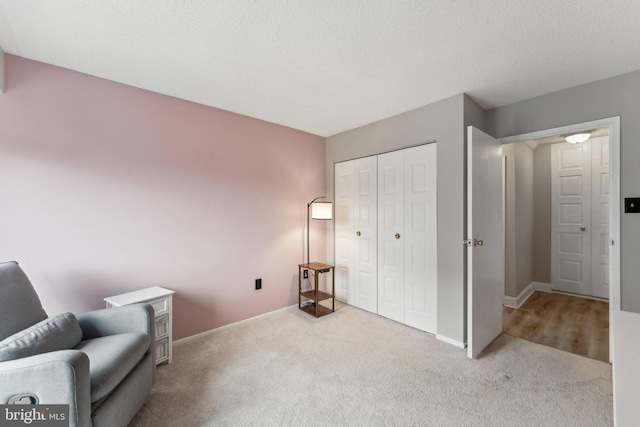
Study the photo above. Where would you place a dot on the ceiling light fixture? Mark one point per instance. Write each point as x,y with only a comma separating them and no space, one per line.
577,138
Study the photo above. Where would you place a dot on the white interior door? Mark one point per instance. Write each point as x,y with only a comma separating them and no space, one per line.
600,242
571,217
344,231
420,237
391,300
366,226
485,264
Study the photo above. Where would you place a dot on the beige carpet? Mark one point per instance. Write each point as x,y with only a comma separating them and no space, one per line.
356,368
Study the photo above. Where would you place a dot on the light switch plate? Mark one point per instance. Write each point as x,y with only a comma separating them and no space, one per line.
632,205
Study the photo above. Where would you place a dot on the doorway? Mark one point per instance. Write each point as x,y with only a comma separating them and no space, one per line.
580,216
609,246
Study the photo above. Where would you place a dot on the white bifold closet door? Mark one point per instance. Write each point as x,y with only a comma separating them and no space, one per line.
385,235
356,233
407,236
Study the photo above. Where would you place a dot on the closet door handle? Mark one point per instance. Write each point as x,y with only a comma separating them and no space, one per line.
397,236
583,228
358,233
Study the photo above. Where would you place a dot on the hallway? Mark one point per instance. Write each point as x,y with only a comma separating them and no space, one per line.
570,323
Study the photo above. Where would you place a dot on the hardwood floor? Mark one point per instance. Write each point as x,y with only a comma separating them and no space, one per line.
569,323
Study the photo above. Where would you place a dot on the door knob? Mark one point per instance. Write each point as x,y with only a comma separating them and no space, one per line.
397,236
358,233
583,228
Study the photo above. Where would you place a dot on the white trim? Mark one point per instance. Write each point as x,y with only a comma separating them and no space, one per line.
613,123
532,143
544,287
523,296
450,341
562,130
580,296
233,325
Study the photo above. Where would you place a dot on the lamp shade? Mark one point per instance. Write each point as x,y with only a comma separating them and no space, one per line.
321,210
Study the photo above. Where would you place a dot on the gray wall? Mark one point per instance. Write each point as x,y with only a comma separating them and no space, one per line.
524,215
617,96
441,122
542,214
519,218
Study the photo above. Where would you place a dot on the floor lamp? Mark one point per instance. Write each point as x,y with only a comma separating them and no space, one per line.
319,210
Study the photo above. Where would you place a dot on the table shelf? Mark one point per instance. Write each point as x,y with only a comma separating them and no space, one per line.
316,295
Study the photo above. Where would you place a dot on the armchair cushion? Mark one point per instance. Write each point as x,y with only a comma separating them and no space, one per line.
61,332
111,358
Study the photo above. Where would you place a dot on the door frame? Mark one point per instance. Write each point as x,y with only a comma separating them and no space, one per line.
613,123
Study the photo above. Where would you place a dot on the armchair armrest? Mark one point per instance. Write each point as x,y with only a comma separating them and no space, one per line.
58,377
118,320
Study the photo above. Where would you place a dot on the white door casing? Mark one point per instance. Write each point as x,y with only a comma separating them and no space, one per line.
391,300
600,222
366,226
571,217
613,125
420,237
485,264
344,231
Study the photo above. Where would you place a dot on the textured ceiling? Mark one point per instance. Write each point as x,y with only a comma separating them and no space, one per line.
328,66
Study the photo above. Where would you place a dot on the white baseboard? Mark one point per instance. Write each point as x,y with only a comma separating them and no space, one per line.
233,325
516,302
523,296
544,287
451,341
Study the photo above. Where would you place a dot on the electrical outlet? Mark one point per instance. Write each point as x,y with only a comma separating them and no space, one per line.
258,284
305,274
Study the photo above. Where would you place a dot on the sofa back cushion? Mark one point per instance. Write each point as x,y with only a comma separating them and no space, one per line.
20,306
61,332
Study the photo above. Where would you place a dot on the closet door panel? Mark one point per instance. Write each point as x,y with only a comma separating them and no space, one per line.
420,237
365,224
344,232
391,299
571,217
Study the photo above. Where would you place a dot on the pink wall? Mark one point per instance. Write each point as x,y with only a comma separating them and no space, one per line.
107,189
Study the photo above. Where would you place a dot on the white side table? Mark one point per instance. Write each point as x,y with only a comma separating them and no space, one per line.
161,300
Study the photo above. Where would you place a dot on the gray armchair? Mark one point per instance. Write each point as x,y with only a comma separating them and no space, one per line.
100,363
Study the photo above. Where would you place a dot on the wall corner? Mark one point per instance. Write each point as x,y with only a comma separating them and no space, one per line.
474,114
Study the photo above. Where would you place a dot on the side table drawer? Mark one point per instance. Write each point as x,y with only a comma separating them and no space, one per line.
160,306
162,326
162,349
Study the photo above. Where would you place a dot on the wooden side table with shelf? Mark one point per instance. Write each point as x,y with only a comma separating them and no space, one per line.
315,295
161,300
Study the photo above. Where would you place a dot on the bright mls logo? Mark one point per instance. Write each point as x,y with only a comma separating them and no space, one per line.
34,415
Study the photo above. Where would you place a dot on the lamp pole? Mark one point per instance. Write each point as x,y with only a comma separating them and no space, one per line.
309,207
